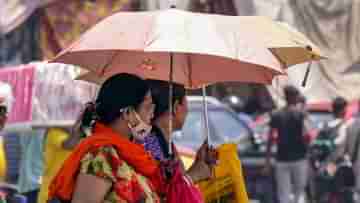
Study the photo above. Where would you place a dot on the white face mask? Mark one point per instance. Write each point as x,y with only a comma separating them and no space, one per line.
141,130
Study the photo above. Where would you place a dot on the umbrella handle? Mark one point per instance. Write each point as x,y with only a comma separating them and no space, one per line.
171,79
206,115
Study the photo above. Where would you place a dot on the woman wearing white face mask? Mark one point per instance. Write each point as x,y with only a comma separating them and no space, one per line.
107,166
140,128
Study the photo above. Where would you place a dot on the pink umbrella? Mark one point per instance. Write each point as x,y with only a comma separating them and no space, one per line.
188,48
204,48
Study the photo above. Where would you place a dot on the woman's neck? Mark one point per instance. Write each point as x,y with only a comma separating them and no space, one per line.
121,130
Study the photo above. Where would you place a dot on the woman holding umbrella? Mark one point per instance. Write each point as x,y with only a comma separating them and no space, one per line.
157,143
167,45
200,170
107,166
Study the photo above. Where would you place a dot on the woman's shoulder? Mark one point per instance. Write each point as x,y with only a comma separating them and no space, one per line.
102,162
106,150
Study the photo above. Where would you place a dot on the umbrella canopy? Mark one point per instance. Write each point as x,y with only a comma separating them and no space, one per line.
205,48
246,49
192,49
289,45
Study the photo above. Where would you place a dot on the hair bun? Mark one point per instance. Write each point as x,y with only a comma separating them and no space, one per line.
89,115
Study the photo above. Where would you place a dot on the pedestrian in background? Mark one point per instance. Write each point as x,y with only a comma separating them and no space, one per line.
291,169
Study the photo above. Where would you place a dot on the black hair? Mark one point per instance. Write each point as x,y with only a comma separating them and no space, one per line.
160,94
119,92
291,94
338,105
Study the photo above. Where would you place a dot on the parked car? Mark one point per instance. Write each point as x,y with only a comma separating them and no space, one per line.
225,126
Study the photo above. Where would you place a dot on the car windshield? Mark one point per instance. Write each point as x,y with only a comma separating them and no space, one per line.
192,135
227,128
224,128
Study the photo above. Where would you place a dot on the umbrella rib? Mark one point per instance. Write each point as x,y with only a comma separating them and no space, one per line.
282,62
107,64
189,65
148,42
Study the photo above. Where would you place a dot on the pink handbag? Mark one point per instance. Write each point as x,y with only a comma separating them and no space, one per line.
181,189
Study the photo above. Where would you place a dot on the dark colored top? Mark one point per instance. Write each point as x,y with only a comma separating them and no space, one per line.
290,126
156,144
